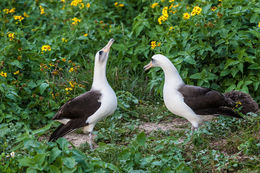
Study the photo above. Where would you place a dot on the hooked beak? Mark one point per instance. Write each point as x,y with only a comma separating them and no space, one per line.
148,66
109,44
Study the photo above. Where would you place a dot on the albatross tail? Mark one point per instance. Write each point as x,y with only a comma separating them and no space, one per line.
64,129
244,100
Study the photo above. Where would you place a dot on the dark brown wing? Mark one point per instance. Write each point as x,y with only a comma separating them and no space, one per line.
200,98
64,129
80,107
204,101
77,110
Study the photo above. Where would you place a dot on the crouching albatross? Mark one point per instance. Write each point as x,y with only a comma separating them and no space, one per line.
87,109
190,101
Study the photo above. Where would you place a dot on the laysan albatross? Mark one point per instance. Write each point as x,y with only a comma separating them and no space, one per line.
87,109
190,102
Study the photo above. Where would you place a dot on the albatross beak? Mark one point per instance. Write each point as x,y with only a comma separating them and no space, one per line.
148,66
109,44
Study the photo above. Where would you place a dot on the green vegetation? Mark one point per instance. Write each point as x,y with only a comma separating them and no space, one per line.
47,55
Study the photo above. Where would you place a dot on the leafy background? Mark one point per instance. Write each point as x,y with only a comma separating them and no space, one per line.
217,48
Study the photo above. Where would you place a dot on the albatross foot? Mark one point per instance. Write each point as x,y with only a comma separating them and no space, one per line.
91,142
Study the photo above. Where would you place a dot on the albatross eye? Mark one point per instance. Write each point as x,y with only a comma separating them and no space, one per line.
100,52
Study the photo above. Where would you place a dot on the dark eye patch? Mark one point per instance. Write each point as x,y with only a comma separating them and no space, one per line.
100,52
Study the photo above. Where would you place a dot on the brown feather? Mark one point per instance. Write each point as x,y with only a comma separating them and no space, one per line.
205,101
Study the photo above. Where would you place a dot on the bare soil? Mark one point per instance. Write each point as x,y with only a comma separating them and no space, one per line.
177,124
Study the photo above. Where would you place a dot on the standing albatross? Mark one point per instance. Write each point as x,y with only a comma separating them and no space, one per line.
87,109
192,101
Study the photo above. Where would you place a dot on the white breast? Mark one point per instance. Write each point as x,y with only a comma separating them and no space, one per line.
108,106
174,101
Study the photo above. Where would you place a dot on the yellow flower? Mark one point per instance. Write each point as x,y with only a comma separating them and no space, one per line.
75,2
76,21
42,9
165,11
86,35
51,65
259,25
46,48
154,5
12,10
116,4
171,28
71,69
193,13
186,16
153,44
197,9
25,14
3,74
63,1
72,84
20,18
6,10
68,89
11,36
17,72
175,6
173,12
121,5
158,44
164,15
213,8
88,5
63,59
171,0
81,5
64,40
219,0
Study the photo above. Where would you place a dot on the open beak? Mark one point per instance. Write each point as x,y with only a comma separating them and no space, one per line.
148,66
109,44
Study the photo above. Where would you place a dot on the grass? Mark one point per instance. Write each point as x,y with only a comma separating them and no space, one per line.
223,144
207,50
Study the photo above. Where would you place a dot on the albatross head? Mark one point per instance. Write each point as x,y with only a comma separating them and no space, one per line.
102,55
171,73
158,60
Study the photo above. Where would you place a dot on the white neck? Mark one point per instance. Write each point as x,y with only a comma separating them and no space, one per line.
172,76
100,79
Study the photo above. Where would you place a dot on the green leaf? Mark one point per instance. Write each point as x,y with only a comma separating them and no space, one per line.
196,76
141,138
31,170
54,153
254,66
42,130
241,67
54,169
69,162
230,62
26,161
43,87
62,143
31,84
39,159
189,60
17,64
183,168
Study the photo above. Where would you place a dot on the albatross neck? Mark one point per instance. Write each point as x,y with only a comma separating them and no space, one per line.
172,76
100,79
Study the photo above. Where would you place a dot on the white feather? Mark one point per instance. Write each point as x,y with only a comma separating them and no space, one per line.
173,99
